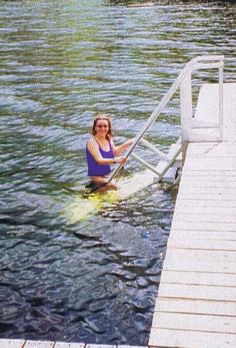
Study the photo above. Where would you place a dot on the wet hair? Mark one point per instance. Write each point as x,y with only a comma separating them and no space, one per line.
102,117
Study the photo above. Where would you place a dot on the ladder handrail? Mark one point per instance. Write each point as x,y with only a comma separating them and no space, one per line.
194,64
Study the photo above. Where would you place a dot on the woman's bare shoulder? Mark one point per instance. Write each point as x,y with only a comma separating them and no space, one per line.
92,143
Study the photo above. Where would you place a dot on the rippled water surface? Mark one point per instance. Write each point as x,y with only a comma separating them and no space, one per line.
93,280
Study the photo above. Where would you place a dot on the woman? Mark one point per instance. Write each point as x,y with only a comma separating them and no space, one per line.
101,153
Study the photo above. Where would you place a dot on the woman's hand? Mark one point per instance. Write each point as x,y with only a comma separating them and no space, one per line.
120,159
129,142
123,147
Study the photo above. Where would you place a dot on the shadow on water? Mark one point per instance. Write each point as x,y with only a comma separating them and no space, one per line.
96,279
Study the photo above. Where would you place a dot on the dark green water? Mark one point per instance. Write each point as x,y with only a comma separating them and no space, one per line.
61,62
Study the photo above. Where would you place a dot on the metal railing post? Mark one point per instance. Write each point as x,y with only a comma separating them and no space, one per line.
186,107
221,105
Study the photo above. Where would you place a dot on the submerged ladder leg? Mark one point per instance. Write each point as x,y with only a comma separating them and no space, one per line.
163,168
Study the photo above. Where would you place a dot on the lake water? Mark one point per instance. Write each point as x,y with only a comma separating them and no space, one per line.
93,280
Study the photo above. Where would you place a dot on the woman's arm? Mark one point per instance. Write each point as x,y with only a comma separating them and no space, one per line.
94,150
121,148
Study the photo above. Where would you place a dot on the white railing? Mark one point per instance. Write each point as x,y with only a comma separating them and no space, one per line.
184,82
207,62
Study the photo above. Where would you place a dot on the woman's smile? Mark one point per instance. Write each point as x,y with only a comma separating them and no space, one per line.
102,128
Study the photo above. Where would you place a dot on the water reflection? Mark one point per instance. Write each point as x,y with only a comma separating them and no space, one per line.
96,280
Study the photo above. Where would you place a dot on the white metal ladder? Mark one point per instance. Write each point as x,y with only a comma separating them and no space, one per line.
165,161
183,81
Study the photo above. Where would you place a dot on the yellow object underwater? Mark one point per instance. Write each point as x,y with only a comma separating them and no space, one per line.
81,208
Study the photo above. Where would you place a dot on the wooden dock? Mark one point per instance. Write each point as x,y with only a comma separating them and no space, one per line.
196,304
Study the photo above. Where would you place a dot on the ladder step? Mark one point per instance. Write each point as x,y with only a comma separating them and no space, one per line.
139,159
150,146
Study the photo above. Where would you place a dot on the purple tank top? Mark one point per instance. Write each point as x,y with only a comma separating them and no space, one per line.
95,169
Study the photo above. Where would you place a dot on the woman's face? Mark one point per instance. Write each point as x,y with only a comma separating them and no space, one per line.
102,127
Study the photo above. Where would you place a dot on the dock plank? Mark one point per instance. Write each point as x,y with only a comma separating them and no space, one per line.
195,322
202,255
39,344
69,345
200,292
211,164
126,346
213,150
206,217
199,278
204,226
193,306
172,264
219,210
9,343
185,243
214,174
214,196
187,202
183,338
100,346
208,190
204,235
